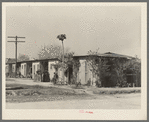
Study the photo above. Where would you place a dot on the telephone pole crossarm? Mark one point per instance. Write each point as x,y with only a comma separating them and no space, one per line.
15,37
15,41
11,41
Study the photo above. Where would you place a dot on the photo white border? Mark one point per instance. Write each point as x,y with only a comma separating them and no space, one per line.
73,114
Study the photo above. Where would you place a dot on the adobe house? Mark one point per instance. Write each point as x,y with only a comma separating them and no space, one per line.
82,73
30,67
35,67
51,68
25,68
44,64
85,72
10,63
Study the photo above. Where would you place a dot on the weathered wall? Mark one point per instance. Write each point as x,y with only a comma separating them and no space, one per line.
35,67
60,74
23,69
81,74
51,68
90,75
84,73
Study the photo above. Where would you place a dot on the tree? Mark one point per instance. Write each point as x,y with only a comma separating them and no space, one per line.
51,51
112,71
98,66
62,37
116,72
22,57
135,66
76,65
125,68
69,62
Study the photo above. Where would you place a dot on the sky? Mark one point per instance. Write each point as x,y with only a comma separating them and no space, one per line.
114,29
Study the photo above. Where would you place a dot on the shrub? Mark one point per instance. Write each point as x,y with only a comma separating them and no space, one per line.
38,72
112,70
89,82
7,74
78,83
98,83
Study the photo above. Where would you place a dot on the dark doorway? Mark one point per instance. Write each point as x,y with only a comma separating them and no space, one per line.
69,74
44,66
31,70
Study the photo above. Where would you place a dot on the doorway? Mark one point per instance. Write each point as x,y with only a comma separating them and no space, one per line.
69,74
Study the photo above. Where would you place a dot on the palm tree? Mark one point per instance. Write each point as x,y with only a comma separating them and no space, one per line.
61,37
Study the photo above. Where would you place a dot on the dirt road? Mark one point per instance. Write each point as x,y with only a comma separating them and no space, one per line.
122,101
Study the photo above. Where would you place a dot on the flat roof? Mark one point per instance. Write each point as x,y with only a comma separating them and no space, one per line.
36,60
106,55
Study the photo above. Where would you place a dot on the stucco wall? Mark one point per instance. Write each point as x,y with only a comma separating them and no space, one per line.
35,68
81,74
84,72
60,74
23,69
51,68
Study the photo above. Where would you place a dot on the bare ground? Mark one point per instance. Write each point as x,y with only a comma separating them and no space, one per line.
131,101
26,94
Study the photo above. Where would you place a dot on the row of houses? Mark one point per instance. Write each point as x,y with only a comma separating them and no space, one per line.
30,67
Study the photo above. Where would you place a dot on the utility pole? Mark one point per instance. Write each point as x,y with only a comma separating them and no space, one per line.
16,50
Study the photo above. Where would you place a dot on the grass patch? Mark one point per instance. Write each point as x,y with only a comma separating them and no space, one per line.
9,79
25,86
38,93
39,98
116,91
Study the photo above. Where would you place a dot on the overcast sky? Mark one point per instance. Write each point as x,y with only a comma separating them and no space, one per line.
111,29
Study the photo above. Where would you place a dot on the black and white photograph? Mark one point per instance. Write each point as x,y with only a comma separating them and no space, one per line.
74,61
